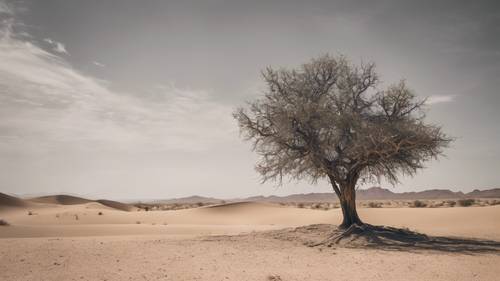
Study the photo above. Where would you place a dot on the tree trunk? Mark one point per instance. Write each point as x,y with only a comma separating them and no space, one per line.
348,204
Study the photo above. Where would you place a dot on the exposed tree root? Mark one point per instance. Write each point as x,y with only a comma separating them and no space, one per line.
370,235
380,237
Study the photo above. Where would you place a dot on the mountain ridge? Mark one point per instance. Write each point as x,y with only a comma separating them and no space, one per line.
373,193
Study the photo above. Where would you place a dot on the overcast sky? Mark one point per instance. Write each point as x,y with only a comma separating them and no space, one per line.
133,99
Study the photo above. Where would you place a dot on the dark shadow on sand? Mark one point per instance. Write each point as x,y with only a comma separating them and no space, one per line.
384,238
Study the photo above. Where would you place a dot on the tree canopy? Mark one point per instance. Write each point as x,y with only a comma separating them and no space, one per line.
329,119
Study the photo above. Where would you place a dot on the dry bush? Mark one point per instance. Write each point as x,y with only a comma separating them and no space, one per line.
466,202
436,204
419,204
372,204
100,213
30,213
451,203
4,223
300,205
138,222
494,202
316,206
274,278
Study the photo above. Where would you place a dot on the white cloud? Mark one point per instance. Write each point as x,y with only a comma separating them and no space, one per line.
440,99
98,64
45,104
56,46
5,8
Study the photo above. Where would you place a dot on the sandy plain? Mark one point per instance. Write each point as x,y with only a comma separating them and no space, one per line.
82,240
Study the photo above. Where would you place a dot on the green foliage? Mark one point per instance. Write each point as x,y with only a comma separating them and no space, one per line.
466,202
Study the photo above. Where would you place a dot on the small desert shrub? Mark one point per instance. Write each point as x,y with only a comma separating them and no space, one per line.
274,278
30,213
374,204
4,223
100,213
300,205
316,206
436,204
494,202
138,222
76,217
199,204
419,204
466,202
451,203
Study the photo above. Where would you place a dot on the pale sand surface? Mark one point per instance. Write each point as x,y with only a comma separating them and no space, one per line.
177,245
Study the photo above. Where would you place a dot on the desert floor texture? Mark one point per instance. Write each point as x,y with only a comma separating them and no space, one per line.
238,241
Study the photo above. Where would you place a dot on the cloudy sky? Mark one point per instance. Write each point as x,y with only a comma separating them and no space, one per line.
133,99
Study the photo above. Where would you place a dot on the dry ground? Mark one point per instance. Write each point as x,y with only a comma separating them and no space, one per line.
75,242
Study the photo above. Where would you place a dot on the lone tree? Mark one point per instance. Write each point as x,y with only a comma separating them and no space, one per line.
328,119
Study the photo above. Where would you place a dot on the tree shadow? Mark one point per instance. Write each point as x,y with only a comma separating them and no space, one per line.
385,238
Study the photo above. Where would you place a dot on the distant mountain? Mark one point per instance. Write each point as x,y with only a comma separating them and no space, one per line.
489,193
378,193
373,193
189,200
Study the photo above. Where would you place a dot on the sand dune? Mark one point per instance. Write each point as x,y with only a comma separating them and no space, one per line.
96,241
482,222
48,202
60,199
7,201
116,205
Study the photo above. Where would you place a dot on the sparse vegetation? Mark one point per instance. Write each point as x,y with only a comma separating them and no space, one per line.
466,202
30,213
494,202
419,204
436,204
429,203
138,222
375,204
274,278
170,206
100,213
4,223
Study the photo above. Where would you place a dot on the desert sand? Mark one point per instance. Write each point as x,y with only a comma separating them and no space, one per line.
66,238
